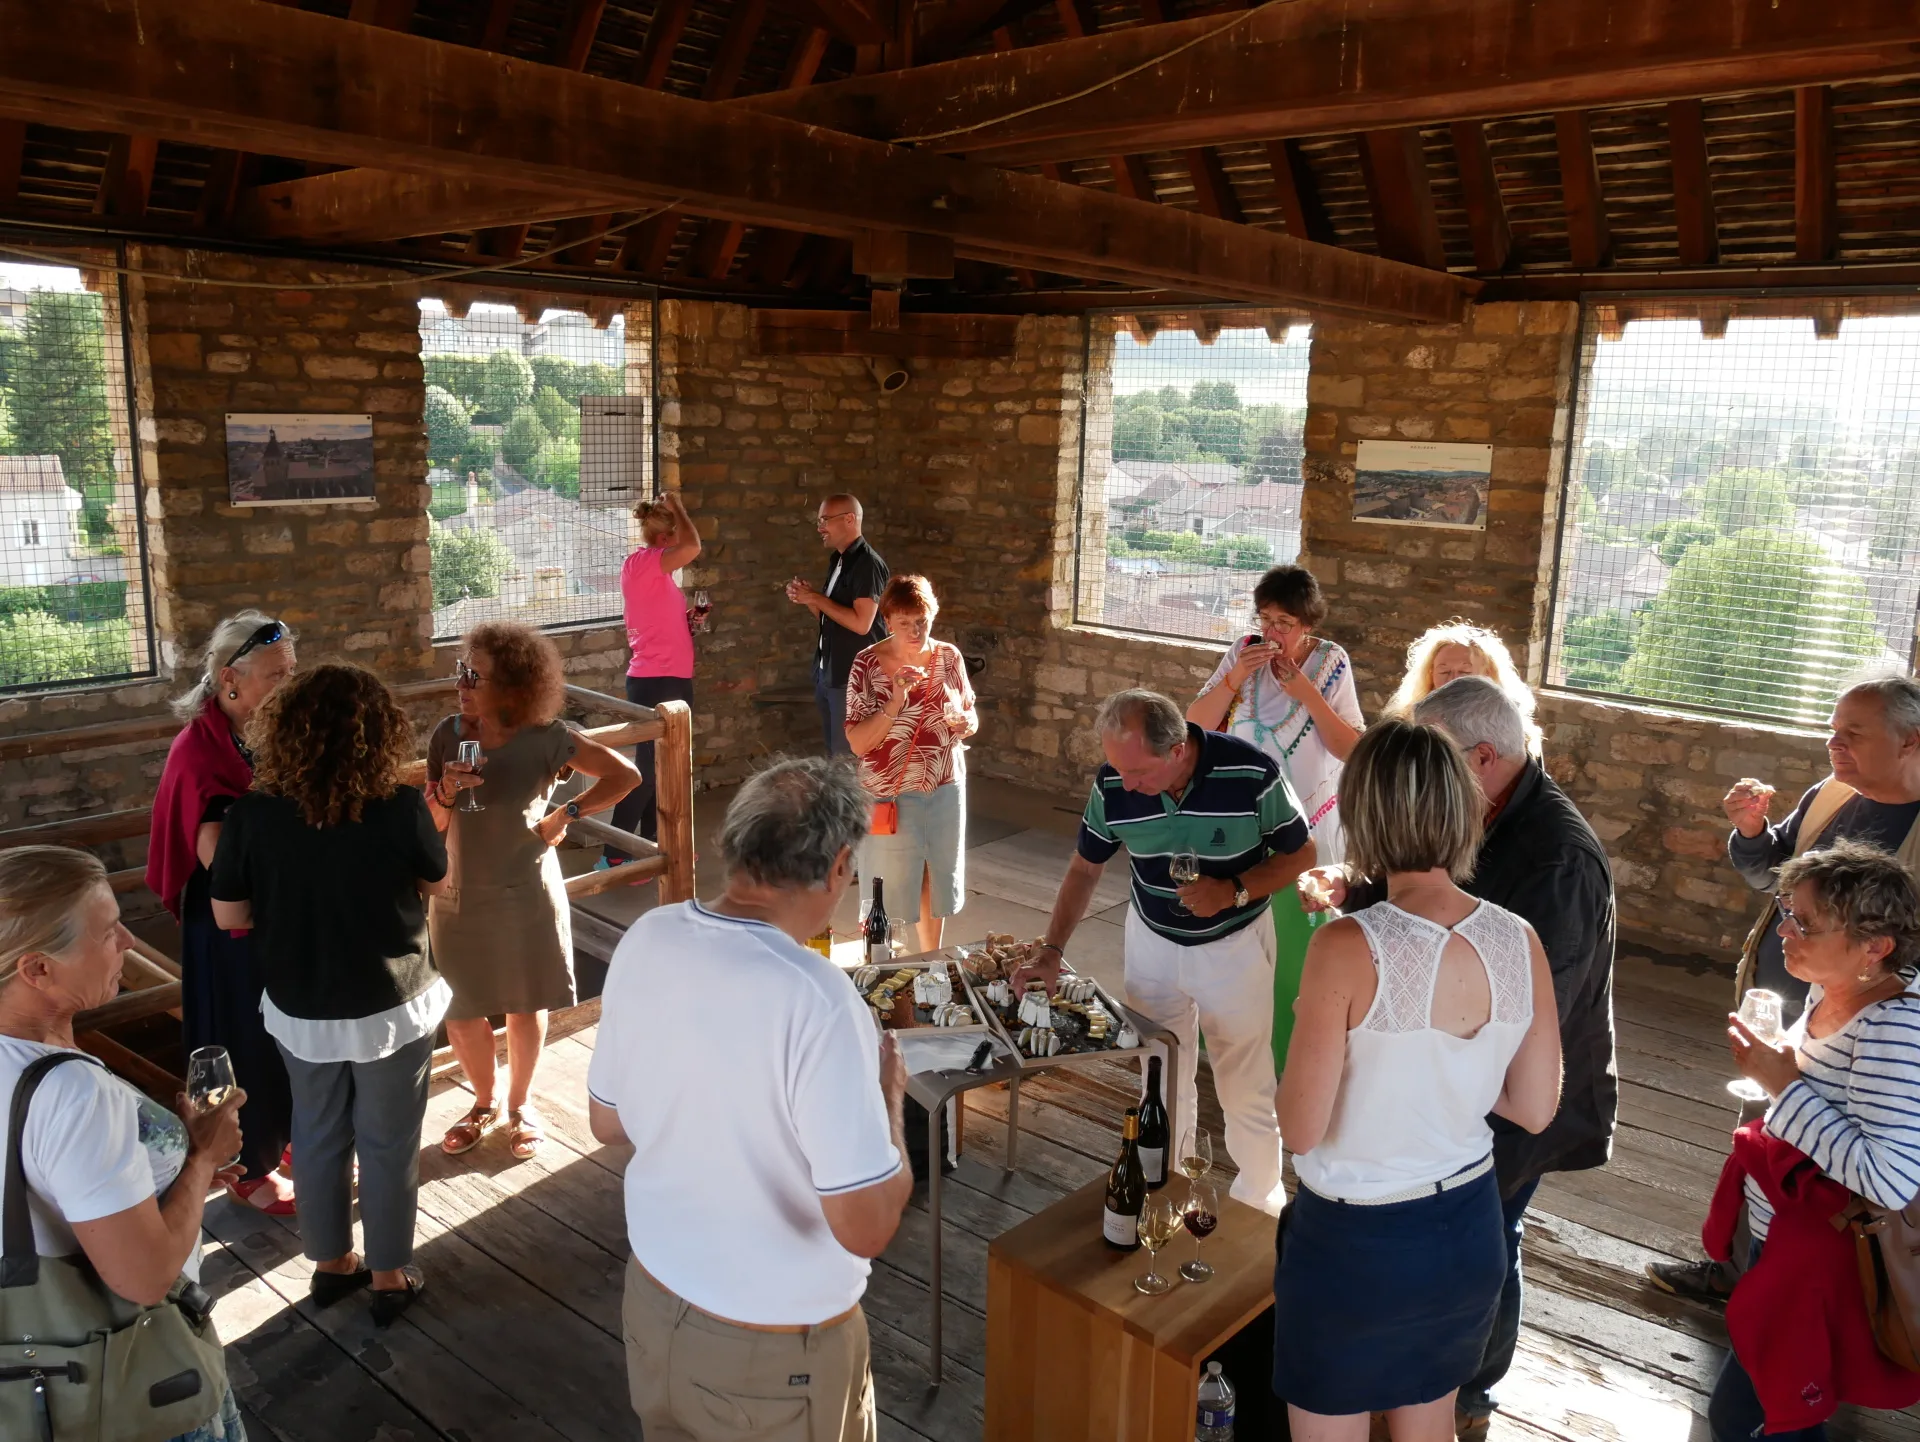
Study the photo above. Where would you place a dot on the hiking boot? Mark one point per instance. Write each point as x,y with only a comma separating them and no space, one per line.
1470,1428
1708,1282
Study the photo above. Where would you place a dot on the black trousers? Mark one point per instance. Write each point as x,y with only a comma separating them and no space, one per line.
637,811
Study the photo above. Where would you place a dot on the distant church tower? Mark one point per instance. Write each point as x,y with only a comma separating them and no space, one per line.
273,464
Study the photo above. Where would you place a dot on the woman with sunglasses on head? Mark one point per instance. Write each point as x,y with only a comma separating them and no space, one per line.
1290,693
502,932
247,657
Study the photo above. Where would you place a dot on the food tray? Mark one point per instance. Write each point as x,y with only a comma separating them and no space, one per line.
899,1011
1069,1018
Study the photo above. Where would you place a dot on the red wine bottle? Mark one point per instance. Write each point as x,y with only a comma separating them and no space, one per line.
879,936
1126,1190
1153,1130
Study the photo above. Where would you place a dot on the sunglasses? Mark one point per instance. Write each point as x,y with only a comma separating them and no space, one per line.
270,634
465,677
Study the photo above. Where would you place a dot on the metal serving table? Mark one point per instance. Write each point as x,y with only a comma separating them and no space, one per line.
934,1089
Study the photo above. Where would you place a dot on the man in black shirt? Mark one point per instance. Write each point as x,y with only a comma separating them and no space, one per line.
1541,861
849,611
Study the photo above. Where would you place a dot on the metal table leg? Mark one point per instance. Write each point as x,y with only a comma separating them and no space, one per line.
934,1159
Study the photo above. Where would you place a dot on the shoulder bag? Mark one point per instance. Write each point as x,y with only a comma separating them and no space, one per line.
77,1363
1886,1245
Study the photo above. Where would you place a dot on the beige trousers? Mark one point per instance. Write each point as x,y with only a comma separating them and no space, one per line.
695,1378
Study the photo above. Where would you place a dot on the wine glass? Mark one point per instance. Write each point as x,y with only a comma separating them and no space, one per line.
470,756
899,935
1196,1153
210,1080
1201,1217
702,608
1184,867
1159,1220
1760,1013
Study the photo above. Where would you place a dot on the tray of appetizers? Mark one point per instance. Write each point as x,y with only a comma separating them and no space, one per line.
928,993
1079,1019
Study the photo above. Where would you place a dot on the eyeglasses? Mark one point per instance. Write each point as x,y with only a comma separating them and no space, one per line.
270,634
1268,623
821,524
464,676
1794,925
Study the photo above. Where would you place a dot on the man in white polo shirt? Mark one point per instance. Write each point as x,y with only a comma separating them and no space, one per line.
765,1117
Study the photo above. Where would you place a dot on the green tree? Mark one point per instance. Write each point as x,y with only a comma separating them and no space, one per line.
449,428
1596,649
1739,500
556,412
1215,396
523,439
1676,538
58,385
37,647
557,467
1758,622
466,564
506,385
1139,432
460,375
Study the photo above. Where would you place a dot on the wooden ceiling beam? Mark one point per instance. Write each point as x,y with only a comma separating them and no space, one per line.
1298,193
387,14
1815,211
803,64
1480,191
711,255
858,22
1130,177
669,23
1589,237
1329,67
577,32
1692,183
346,207
1212,191
279,80
13,157
1406,226
497,25
126,180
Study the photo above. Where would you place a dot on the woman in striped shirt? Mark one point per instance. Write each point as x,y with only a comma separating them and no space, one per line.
1845,1081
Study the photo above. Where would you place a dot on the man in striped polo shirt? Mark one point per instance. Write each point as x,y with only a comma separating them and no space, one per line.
1198,956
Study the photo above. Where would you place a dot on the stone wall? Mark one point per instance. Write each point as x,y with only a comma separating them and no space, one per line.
962,474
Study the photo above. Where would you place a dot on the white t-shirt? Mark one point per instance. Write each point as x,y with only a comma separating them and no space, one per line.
746,1072
94,1146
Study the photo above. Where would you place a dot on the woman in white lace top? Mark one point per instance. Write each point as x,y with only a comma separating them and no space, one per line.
1416,1019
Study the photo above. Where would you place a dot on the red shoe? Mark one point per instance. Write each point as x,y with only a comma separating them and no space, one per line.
281,1207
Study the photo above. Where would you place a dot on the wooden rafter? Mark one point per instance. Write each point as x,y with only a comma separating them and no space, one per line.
1298,193
803,64
669,23
1130,177
711,255
1480,191
344,207
1406,226
13,154
1212,191
126,181
1815,212
387,14
1589,237
1692,183
496,25
1318,67
273,79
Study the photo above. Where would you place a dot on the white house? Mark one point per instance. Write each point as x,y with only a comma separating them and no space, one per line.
39,522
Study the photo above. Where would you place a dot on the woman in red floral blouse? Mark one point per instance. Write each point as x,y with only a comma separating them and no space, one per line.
909,708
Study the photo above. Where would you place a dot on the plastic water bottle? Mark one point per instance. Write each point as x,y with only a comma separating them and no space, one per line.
1216,1407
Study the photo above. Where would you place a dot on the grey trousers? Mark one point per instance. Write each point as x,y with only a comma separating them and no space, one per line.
374,1109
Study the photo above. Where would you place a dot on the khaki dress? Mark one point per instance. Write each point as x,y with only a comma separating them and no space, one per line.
502,934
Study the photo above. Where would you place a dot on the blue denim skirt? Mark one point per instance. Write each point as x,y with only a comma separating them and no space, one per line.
1384,1307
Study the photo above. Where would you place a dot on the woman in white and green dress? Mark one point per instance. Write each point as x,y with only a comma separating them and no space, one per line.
1291,694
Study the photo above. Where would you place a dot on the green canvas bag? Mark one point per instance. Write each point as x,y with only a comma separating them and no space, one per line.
77,1363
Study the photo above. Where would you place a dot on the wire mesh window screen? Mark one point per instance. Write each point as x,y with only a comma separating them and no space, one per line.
1190,480
1743,504
73,565
539,443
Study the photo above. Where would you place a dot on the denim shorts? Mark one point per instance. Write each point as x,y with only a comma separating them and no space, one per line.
932,837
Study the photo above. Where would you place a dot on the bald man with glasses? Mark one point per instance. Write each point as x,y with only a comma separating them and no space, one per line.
848,608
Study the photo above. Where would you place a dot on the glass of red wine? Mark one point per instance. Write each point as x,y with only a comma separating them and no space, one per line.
1201,1217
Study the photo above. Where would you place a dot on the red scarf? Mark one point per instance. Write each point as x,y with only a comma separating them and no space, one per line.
202,763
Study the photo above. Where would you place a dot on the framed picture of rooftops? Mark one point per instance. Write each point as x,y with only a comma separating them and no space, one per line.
299,460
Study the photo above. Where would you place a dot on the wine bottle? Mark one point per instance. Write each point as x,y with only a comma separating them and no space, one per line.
1153,1130
879,934
1126,1190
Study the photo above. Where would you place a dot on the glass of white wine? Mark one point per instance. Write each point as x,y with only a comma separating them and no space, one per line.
1184,867
1761,1014
210,1080
1196,1154
1159,1220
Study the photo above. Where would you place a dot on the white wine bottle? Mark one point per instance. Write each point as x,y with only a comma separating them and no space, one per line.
1126,1190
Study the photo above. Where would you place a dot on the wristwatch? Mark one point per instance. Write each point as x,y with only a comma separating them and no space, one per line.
1241,896
573,811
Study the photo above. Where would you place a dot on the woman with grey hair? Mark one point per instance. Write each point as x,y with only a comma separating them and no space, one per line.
246,658
1845,1089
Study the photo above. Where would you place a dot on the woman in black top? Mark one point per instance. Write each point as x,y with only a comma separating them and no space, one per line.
330,860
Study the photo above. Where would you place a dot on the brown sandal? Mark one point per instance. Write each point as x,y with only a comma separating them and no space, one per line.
526,1132
464,1135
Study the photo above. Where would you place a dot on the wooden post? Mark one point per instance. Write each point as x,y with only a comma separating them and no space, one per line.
674,757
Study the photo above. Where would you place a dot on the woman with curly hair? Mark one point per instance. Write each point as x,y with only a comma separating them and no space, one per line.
503,932
329,860
1459,648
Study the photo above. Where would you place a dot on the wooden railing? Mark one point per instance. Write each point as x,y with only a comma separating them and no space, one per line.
150,980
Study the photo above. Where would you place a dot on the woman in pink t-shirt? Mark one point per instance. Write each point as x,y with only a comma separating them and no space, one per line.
661,638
